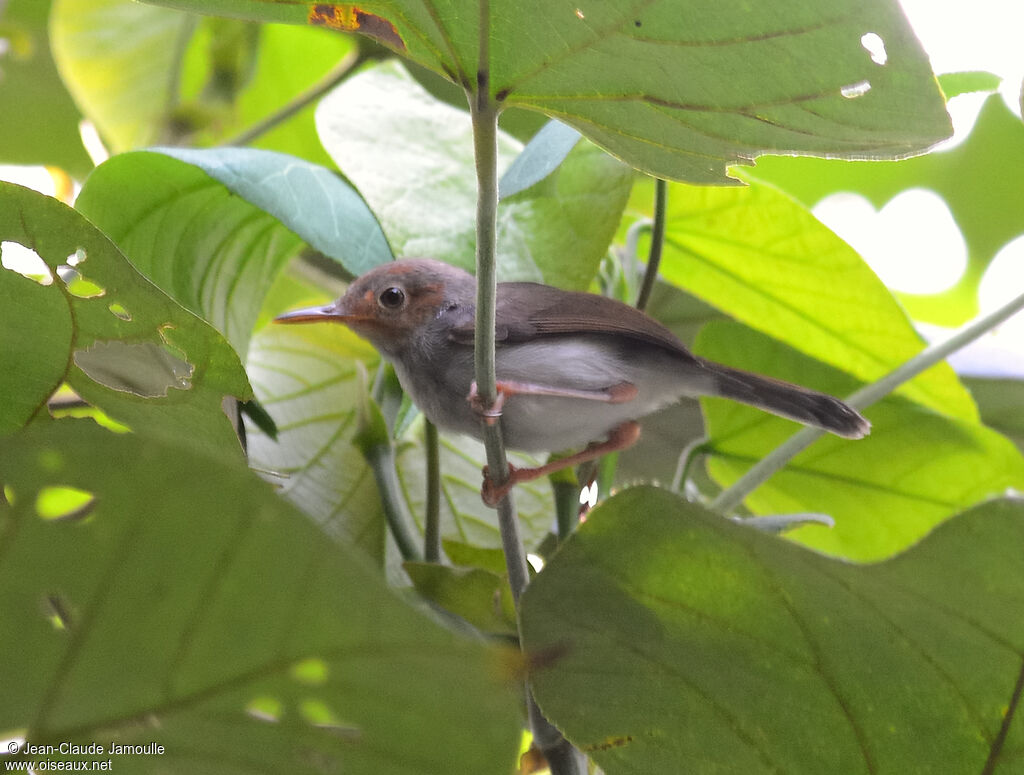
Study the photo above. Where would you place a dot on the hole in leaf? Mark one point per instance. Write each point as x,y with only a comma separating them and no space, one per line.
79,286
58,611
264,709
874,45
76,258
7,495
25,262
319,714
311,672
855,90
118,311
145,369
66,504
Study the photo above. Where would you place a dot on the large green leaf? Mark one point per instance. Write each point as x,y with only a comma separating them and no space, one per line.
916,469
677,641
192,607
147,75
99,325
678,91
45,129
118,59
766,261
981,180
411,157
215,227
307,378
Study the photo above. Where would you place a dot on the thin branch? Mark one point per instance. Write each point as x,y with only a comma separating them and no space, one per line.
657,242
299,102
865,397
432,515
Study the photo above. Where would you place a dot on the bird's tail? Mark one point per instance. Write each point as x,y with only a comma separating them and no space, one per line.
787,400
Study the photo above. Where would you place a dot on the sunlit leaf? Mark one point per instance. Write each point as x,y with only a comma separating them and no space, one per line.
916,469
46,129
760,257
981,180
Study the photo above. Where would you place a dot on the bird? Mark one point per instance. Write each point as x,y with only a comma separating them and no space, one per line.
573,368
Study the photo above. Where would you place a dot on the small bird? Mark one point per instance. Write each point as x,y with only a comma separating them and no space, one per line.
571,367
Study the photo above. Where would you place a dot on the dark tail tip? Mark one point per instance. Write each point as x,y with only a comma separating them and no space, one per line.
792,401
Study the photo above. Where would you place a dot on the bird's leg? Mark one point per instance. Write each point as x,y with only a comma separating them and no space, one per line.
621,437
615,394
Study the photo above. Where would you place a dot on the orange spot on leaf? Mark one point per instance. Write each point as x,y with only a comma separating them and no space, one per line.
350,18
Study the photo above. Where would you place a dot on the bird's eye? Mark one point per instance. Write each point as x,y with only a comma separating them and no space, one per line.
391,298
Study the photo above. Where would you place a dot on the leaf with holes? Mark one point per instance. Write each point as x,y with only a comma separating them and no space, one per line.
915,470
99,325
307,377
197,609
679,91
684,642
215,227
411,157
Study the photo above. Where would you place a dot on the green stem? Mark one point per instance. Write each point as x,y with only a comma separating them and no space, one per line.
562,757
863,398
381,458
484,114
432,516
300,101
657,242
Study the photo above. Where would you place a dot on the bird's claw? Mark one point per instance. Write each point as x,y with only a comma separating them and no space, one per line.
491,492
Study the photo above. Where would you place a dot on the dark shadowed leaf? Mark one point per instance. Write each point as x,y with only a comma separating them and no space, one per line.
689,643
680,91
198,609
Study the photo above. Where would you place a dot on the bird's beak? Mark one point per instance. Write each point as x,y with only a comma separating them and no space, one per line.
313,315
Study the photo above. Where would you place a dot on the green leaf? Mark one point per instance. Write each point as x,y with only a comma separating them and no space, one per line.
306,377
763,259
480,597
119,61
218,622
981,180
215,227
915,470
148,75
423,189
120,343
955,84
539,158
1000,401
679,92
46,128
679,641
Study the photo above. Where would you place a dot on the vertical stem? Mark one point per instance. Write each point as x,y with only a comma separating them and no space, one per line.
432,517
657,241
562,757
